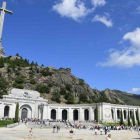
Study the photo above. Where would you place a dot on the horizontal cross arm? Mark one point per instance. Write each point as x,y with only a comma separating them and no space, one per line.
9,12
1,9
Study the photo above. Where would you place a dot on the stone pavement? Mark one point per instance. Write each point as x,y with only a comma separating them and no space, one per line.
21,132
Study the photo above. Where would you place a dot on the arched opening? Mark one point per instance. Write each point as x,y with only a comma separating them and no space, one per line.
95,114
124,114
64,115
86,114
6,111
53,114
41,113
136,114
131,115
24,113
118,114
75,115
112,113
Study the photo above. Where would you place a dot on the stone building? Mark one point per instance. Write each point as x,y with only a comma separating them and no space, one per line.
31,105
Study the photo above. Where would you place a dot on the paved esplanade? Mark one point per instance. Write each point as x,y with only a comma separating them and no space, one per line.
3,11
21,132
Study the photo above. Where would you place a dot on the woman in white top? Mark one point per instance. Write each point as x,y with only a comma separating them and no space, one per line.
109,137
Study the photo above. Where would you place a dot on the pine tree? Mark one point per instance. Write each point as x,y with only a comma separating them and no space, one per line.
137,115
17,112
121,121
129,119
96,113
134,119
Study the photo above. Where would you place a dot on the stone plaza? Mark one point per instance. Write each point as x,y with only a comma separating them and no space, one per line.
22,132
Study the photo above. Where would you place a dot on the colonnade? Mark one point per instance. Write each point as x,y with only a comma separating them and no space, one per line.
116,114
72,114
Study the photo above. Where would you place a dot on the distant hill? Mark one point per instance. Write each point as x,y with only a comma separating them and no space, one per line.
56,85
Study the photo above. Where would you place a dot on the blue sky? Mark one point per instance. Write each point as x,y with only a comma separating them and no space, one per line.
98,39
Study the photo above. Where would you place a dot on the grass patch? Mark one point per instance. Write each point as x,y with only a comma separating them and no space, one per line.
4,122
109,124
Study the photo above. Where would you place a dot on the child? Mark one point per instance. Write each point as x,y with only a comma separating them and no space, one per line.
31,132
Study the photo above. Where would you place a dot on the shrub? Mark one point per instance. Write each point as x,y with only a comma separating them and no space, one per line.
32,81
17,112
63,91
20,86
83,98
68,87
56,97
42,88
45,72
4,122
81,82
70,99
19,80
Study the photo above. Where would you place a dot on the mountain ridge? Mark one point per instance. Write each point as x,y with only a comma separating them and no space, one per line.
56,85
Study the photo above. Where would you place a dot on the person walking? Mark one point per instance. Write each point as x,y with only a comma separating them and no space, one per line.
105,130
31,132
139,133
108,137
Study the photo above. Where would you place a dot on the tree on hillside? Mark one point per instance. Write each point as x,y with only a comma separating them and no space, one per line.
96,113
17,112
129,118
134,119
137,116
121,120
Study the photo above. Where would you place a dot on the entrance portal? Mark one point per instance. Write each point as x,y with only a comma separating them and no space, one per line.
86,114
53,114
64,115
6,111
75,115
24,113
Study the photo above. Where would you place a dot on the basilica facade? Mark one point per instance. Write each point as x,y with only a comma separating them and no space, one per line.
31,105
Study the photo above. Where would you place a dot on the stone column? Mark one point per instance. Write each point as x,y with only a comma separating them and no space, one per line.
81,114
90,114
115,114
134,114
70,114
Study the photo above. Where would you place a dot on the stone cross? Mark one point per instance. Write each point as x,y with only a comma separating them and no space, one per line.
3,11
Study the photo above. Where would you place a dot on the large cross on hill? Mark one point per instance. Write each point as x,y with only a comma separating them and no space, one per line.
3,11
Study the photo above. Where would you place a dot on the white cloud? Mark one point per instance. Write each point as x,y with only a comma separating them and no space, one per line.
138,10
76,9
128,57
97,3
134,90
134,37
104,20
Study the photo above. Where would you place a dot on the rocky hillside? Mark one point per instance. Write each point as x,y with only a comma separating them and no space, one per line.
56,85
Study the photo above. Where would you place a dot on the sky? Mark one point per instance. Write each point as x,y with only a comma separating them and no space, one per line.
98,39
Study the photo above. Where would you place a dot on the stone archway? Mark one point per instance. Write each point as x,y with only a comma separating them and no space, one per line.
86,114
53,114
24,113
112,113
124,113
64,115
75,115
118,114
6,111
131,114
